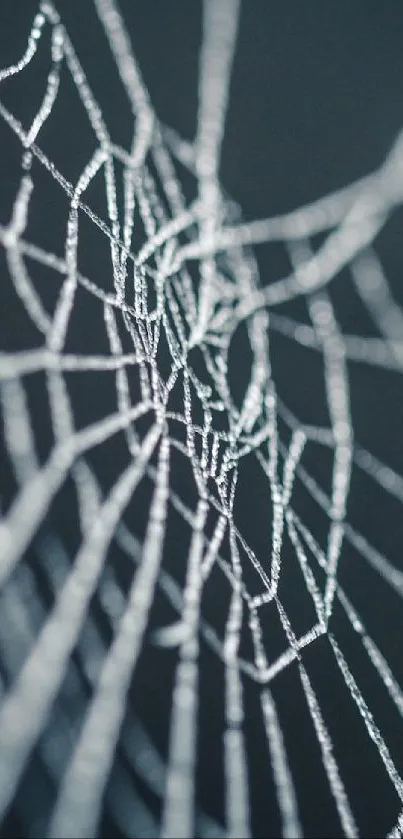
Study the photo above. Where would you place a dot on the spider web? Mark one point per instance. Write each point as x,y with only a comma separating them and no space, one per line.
128,574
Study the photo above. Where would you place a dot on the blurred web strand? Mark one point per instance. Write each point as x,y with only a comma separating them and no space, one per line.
219,39
37,663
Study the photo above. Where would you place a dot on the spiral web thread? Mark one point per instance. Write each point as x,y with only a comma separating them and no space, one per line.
153,298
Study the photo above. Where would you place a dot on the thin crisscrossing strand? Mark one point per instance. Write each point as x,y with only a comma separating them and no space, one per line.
154,304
